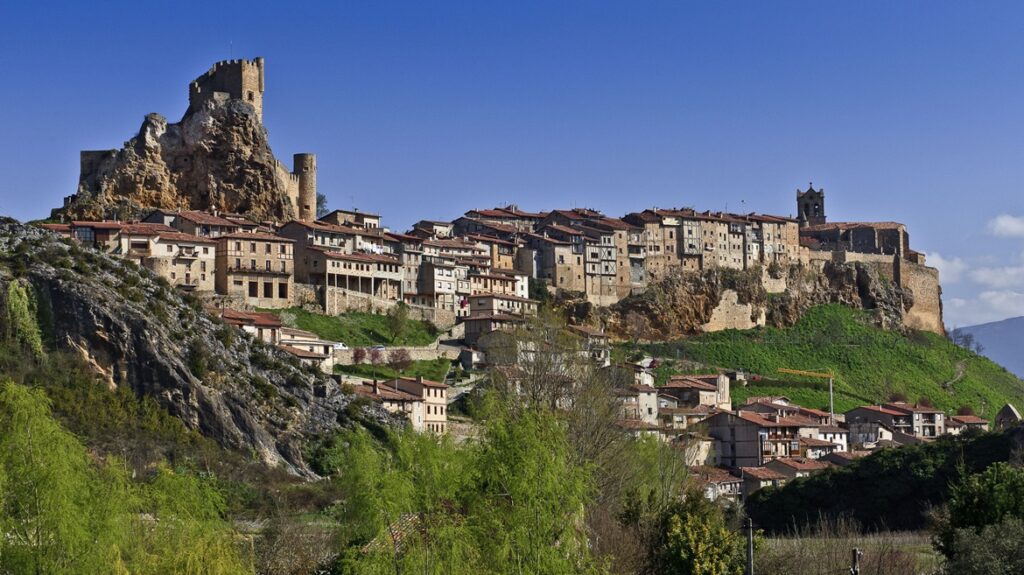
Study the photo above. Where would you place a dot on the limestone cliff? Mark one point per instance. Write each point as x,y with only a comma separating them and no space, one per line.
217,156
138,332
685,303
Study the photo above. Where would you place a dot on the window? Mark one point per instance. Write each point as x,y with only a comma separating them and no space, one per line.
254,289
202,266
268,289
282,249
238,246
267,246
282,290
170,248
252,264
252,247
284,267
206,251
238,283
238,263
268,265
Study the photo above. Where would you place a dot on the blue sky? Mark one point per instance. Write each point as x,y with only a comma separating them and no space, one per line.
908,111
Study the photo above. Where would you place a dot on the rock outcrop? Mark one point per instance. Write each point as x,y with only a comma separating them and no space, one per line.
685,303
136,331
216,157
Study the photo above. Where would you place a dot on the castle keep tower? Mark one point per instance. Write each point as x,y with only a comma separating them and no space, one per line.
810,206
305,168
230,79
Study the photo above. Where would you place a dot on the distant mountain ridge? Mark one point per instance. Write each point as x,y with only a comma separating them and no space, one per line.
1002,342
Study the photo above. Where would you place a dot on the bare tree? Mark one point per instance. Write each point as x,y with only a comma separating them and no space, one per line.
637,327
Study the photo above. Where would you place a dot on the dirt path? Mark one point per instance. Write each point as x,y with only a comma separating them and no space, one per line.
961,369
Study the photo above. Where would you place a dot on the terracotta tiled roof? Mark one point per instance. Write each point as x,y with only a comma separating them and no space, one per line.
563,229
384,391
880,409
761,473
56,227
256,319
801,463
689,382
705,474
502,296
636,424
183,237
814,442
588,331
204,218
969,419
302,353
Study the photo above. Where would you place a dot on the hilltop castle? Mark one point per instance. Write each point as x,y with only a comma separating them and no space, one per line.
216,158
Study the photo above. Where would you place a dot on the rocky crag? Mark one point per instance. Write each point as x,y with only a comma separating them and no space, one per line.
216,157
685,303
137,331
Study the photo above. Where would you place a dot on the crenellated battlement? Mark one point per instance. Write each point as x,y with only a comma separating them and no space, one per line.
238,79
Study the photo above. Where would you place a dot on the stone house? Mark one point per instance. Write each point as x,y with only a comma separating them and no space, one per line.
353,218
969,422
434,396
597,347
748,439
477,326
755,478
718,483
264,326
255,268
639,403
309,236
409,250
318,356
196,223
425,229
489,303
376,275
692,390
395,400
185,261
559,262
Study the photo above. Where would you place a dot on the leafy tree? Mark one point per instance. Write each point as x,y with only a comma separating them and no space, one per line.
321,206
397,321
64,511
978,501
996,549
694,539
57,515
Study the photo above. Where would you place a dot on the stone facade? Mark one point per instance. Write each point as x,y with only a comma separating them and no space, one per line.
257,268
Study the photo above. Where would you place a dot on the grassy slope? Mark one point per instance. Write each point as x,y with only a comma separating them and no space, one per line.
869,363
434,370
358,329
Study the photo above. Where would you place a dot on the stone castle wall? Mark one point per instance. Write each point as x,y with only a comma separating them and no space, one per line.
730,314
923,282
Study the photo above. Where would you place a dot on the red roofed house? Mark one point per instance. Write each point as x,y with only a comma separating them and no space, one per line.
395,400
184,260
434,396
255,268
755,478
693,390
794,467
264,325
968,422
747,439
639,403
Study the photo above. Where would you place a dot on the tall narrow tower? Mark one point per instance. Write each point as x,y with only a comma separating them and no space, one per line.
305,168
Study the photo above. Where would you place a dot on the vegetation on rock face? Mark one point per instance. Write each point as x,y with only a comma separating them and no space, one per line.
361,329
870,364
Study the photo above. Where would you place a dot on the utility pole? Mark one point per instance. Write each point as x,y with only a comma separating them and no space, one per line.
750,546
855,561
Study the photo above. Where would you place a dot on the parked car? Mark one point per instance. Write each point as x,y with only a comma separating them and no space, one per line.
340,346
377,347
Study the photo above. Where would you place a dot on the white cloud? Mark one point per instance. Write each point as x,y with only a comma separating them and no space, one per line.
990,305
1007,226
999,277
950,269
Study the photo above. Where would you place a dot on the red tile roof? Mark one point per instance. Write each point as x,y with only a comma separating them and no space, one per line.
303,353
970,419
802,463
257,319
761,473
204,218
